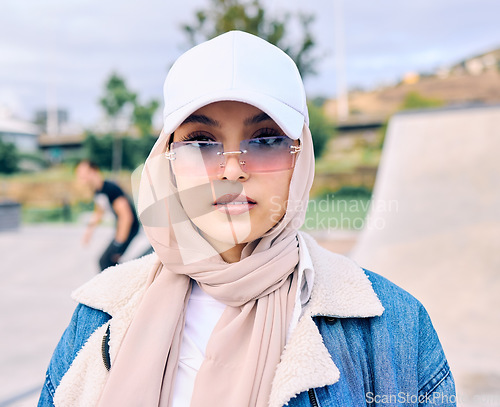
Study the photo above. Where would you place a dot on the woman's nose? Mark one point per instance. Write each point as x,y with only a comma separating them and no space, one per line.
232,170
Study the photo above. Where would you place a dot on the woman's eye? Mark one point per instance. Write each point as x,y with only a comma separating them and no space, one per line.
266,141
267,132
198,137
205,145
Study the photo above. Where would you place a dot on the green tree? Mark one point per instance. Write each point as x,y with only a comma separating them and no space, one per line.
99,150
142,117
116,97
135,150
9,158
221,16
322,128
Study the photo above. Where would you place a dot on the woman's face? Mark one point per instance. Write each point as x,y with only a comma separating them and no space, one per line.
235,204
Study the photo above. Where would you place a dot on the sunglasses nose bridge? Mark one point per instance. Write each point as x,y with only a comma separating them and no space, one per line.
229,158
238,154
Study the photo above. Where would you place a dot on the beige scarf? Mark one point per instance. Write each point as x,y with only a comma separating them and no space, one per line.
259,291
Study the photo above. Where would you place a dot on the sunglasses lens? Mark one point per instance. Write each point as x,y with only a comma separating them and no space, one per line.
267,154
207,158
197,158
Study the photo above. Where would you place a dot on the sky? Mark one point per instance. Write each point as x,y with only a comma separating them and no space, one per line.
60,52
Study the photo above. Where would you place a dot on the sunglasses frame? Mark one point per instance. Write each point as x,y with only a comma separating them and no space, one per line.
170,155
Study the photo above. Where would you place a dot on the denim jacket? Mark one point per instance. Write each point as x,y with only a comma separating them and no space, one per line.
361,341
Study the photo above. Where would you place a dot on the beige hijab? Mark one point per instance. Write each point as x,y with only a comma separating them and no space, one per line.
259,291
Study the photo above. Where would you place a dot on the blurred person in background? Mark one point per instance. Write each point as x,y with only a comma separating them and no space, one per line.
108,197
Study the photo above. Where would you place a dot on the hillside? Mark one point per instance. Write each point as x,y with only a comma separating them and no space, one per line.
474,80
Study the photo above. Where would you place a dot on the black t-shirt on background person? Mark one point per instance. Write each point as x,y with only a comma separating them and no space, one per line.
104,198
107,195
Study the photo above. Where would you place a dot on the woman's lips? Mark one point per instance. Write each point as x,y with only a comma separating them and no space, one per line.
234,204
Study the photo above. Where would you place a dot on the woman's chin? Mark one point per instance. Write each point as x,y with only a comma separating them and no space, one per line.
223,236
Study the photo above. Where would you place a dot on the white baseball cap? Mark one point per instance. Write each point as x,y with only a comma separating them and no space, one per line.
240,67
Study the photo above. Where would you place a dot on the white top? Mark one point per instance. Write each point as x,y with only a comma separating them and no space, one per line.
203,313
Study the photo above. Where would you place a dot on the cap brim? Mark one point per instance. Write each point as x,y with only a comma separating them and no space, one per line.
290,120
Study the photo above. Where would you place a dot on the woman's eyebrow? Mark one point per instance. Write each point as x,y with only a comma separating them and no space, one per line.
261,117
202,119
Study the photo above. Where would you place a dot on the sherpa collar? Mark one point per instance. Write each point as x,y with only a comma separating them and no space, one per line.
117,289
341,289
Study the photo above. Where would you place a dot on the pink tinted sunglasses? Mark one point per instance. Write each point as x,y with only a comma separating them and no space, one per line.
262,154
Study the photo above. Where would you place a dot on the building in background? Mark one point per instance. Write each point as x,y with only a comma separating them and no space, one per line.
23,134
60,138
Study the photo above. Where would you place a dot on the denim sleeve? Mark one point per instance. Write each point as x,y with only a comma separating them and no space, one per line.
84,322
436,384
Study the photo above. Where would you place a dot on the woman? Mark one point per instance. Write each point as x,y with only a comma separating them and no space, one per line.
236,307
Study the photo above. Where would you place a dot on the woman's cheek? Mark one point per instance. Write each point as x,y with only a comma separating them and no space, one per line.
276,190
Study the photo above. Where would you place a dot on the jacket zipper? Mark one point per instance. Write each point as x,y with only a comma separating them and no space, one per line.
105,350
312,398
